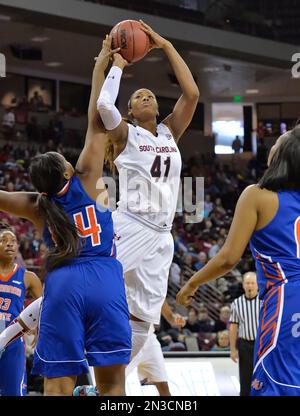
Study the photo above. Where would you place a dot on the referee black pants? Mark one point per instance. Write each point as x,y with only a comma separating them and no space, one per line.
246,352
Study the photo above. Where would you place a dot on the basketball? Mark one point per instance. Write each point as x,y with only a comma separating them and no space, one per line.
132,40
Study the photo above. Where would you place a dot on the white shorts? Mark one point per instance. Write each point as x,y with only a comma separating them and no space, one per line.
151,365
146,256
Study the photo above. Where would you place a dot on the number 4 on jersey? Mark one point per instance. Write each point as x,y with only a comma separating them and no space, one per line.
297,235
93,230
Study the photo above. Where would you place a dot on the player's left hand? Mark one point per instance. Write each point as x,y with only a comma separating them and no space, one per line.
106,52
186,295
157,41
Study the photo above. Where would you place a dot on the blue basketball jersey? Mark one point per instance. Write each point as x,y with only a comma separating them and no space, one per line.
276,247
13,359
12,295
94,222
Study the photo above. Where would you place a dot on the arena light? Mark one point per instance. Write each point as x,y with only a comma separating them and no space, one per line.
5,18
154,59
53,64
252,91
40,39
237,98
211,69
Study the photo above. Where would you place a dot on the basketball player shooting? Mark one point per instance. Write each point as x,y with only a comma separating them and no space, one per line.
146,153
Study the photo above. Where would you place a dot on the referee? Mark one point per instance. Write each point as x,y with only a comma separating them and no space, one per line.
244,319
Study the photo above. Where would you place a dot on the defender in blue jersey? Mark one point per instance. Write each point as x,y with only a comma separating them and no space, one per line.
84,314
14,282
268,215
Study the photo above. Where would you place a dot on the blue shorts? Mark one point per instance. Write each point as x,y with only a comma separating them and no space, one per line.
84,319
277,358
13,370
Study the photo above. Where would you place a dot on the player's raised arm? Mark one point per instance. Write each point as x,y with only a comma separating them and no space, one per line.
92,156
101,62
184,109
110,115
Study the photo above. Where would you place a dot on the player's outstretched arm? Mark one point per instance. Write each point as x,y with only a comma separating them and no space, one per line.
184,109
241,230
110,115
91,158
101,62
23,205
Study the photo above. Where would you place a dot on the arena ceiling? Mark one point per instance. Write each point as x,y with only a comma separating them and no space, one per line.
218,77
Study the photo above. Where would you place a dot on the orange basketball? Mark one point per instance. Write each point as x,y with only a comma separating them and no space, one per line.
132,40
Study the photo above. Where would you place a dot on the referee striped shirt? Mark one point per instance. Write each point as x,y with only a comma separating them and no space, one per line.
245,313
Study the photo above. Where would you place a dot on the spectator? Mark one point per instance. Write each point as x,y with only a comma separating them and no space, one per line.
39,260
202,260
216,248
208,205
26,249
36,102
175,275
8,123
237,145
223,322
10,187
36,243
192,323
222,341
219,207
205,324
189,260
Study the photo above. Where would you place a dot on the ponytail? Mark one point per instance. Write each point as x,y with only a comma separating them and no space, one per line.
47,175
64,234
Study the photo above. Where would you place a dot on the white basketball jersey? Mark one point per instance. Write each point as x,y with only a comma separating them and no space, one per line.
149,174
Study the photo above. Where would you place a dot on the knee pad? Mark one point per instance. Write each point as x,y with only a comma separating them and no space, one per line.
140,333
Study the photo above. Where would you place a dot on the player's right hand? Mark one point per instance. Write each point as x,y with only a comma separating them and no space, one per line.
178,321
234,355
156,41
186,295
